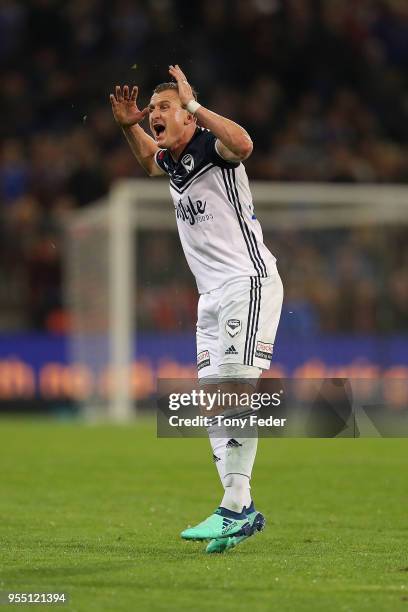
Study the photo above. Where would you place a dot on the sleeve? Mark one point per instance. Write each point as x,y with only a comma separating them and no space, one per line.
213,155
160,159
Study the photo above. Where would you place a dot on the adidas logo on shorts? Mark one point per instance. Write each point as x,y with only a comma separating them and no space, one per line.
231,350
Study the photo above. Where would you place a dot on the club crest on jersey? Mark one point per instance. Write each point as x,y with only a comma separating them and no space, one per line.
188,162
233,327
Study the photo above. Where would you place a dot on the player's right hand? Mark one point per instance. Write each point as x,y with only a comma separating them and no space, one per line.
124,107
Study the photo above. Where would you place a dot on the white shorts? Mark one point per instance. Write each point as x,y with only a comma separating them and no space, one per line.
237,323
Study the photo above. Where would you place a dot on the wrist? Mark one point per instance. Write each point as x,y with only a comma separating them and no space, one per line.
192,106
127,127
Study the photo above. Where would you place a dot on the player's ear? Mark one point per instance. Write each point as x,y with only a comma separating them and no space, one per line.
190,118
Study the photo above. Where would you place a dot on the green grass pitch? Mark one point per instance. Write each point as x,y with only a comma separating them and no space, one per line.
96,511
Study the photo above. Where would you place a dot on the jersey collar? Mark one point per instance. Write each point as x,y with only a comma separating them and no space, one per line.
194,136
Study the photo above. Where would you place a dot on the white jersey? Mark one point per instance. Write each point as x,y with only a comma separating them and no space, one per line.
219,232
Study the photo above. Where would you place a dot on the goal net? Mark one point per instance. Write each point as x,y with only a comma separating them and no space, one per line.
104,259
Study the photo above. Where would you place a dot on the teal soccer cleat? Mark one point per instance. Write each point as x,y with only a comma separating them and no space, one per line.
257,523
220,525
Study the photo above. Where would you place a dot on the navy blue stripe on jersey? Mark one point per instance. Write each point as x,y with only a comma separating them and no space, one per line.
231,199
241,221
193,178
253,319
260,267
251,233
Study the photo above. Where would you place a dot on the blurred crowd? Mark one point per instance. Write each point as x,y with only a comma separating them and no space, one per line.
335,281
321,86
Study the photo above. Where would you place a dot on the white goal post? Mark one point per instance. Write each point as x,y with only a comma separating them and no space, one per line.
100,272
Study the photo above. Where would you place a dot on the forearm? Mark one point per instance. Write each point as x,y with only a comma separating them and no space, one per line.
230,134
143,147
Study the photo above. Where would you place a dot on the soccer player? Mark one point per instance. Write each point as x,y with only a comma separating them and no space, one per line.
240,289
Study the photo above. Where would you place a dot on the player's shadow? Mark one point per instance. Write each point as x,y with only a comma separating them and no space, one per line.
39,575
62,573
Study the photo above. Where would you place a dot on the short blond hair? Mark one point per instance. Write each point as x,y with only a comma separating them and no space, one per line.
173,86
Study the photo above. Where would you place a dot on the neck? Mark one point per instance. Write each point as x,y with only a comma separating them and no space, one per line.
181,144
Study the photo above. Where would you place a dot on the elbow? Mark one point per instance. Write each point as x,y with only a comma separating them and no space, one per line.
246,149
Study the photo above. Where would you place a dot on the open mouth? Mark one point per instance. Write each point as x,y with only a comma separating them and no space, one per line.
158,130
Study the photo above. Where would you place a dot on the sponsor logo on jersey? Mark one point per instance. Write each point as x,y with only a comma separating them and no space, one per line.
231,350
264,350
203,360
188,162
233,327
193,212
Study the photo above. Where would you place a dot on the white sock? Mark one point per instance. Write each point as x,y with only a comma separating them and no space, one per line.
237,492
218,446
234,458
239,460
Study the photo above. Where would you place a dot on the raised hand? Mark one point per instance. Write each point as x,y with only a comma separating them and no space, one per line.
184,88
124,107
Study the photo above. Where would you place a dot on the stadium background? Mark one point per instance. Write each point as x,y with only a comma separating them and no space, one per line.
321,88
96,511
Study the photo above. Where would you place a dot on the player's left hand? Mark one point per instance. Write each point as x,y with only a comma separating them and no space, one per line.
184,88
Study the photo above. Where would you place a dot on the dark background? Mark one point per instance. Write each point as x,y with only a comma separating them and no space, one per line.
320,86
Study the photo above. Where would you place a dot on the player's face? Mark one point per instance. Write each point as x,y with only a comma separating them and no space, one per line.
167,118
